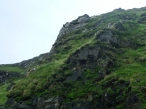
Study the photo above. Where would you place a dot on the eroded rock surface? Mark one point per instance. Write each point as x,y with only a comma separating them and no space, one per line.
75,24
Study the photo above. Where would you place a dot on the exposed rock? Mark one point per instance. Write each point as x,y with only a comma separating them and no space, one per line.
89,58
143,15
109,25
50,107
78,105
75,24
124,17
53,101
105,36
143,89
76,76
5,75
15,106
84,56
2,107
40,103
118,26
119,9
24,106
10,102
83,19
34,61
133,102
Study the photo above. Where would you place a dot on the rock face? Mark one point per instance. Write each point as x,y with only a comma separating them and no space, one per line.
74,25
4,76
37,103
31,62
142,19
89,58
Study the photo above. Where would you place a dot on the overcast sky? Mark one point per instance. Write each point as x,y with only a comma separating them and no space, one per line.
30,27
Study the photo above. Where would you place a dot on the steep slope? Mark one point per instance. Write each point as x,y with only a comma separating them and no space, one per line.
8,73
96,63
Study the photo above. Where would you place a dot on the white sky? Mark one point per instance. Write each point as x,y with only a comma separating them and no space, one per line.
30,27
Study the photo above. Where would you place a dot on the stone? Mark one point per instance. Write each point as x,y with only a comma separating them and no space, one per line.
143,89
133,102
4,75
101,74
34,101
118,26
119,9
109,25
74,25
83,19
52,100
114,42
52,103
50,107
104,36
66,25
83,54
10,102
77,105
24,106
15,106
2,108
74,77
40,103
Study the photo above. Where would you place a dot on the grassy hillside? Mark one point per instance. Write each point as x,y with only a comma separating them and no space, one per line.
118,72
11,69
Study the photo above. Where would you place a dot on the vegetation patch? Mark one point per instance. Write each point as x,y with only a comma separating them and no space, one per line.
11,69
3,97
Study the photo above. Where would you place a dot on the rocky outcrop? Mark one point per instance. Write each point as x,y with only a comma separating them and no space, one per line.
74,25
118,26
119,9
89,58
142,19
96,56
78,105
5,75
26,64
36,103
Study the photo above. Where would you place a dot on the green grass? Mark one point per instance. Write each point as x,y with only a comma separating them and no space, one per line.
36,80
3,97
11,69
132,69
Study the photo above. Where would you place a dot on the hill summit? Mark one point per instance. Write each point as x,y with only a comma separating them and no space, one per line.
96,62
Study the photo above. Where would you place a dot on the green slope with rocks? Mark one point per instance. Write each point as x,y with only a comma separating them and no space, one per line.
96,62
8,74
